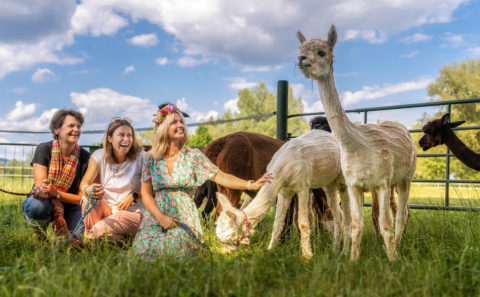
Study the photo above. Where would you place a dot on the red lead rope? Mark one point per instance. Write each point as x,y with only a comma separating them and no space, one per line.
247,224
15,193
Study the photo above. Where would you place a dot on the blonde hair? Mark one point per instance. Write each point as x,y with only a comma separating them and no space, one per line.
160,137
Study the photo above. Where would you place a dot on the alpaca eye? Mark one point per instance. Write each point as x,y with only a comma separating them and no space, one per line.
321,53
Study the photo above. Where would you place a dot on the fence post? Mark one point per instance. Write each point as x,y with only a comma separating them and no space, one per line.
282,109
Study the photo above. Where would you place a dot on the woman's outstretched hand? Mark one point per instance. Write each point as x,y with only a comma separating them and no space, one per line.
266,178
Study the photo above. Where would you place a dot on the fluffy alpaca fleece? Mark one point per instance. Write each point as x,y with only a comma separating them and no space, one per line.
373,157
309,161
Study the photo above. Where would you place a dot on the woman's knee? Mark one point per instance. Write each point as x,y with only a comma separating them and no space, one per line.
37,209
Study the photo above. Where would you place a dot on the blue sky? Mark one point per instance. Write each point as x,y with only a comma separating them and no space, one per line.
123,57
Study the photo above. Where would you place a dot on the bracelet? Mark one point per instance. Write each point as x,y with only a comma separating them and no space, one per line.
58,195
84,189
249,185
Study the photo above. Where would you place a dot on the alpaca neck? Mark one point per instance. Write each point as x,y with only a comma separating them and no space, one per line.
461,151
259,207
341,126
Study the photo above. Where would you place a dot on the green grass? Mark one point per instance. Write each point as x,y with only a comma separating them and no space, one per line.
440,256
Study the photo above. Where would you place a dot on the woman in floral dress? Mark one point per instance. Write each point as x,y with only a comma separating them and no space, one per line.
171,172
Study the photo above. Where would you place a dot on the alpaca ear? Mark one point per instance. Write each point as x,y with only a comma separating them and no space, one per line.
231,215
445,118
455,124
332,37
246,202
223,201
300,37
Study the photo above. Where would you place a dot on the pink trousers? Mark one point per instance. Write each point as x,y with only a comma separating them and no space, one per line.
100,222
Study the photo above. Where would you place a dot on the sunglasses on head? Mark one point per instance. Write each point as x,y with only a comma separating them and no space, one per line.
118,119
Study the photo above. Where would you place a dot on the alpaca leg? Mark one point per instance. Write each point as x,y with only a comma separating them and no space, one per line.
347,218
283,203
331,193
375,210
402,210
393,203
356,210
386,223
304,222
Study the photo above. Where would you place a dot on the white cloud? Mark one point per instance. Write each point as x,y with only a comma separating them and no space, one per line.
231,105
454,40
375,92
42,75
417,37
96,18
372,36
129,69
16,57
316,106
189,61
261,68
22,117
299,90
182,104
19,90
4,140
249,33
100,105
200,117
29,21
145,40
238,83
21,111
474,50
162,61
410,54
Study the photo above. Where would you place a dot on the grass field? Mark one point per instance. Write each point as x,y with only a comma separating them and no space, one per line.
440,256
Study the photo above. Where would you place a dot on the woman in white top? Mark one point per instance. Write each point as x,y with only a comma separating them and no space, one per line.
119,209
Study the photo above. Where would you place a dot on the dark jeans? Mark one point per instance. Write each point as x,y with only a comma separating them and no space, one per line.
40,213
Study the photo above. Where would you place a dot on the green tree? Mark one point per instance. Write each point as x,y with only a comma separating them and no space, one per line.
455,81
259,101
201,138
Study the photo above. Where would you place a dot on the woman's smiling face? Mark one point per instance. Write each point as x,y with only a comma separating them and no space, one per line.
70,130
176,131
121,140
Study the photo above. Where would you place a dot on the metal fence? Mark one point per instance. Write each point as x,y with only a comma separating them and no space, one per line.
21,171
447,155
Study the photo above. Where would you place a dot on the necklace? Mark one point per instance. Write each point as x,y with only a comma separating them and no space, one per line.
172,156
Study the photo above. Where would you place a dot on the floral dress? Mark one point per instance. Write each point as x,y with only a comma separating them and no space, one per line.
174,196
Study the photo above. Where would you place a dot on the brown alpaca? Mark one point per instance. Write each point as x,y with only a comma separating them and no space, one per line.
440,131
246,155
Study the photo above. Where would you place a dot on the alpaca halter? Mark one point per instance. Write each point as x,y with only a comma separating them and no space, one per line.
247,224
162,114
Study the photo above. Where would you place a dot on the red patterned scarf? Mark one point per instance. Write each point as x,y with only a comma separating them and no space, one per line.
62,172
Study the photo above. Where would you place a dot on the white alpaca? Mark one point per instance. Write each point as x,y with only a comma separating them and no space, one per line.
309,161
372,156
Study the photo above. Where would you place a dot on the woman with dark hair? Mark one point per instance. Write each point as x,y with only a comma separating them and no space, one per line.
118,212
58,168
170,174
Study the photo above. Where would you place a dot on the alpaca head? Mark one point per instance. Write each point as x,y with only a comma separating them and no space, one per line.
230,226
320,123
316,55
435,131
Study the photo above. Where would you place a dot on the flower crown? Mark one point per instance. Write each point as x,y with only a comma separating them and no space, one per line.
162,114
